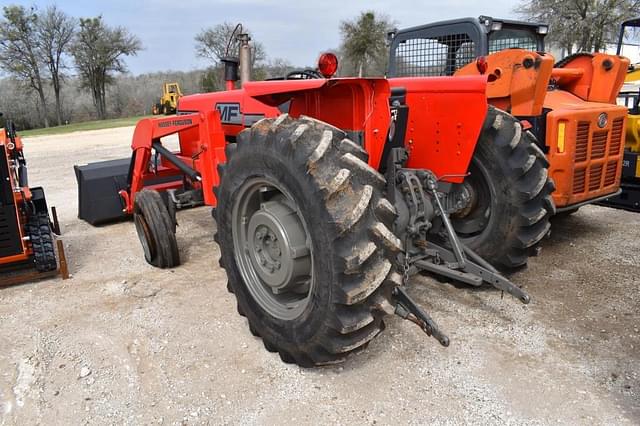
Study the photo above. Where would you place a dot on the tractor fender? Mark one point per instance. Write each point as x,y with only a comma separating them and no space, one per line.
446,115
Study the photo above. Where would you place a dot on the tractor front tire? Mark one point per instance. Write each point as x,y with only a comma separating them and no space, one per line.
156,230
511,194
305,238
40,235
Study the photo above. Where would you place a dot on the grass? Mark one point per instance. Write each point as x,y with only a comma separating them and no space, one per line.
77,127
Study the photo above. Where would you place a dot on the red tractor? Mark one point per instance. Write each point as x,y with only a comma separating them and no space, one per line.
328,193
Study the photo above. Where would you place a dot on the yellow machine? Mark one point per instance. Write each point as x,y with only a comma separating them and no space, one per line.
169,100
629,96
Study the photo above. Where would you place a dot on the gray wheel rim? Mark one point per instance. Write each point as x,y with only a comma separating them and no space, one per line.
272,248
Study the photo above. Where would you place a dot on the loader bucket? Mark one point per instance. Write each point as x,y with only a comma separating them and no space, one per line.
98,187
99,184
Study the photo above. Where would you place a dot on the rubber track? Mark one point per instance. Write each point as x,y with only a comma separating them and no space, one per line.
39,231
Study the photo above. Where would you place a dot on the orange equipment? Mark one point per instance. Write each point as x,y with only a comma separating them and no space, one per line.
25,227
570,107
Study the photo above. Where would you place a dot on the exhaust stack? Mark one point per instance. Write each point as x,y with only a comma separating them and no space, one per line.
245,58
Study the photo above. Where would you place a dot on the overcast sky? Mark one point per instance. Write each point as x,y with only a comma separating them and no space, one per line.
295,30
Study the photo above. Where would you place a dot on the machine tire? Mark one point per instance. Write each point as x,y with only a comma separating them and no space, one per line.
338,200
515,172
40,235
155,229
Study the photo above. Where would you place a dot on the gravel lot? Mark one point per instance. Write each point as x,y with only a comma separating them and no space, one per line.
123,343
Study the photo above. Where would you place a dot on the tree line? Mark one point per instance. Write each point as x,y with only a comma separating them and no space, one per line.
73,69
37,46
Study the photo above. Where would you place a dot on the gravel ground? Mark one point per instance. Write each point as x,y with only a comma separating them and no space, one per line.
123,343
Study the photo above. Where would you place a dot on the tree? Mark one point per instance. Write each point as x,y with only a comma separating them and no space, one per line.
580,25
19,52
220,41
55,33
98,52
364,42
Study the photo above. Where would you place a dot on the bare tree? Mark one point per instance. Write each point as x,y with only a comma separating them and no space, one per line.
580,25
19,52
55,33
364,42
219,41
98,52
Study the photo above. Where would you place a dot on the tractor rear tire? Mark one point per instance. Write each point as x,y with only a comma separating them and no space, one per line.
40,235
304,182
156,230
512,207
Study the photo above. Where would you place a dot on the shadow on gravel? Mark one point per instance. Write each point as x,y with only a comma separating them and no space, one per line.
574,228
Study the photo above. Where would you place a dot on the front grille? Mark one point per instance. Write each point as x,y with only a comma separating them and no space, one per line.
599,144
579,183
582,141
597,156
595,176
616,136
610,176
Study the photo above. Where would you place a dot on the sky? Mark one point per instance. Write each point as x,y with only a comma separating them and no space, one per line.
294,30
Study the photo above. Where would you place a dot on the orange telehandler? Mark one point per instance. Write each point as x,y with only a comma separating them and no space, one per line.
569,107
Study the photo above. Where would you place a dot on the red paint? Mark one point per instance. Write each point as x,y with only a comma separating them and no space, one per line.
445,120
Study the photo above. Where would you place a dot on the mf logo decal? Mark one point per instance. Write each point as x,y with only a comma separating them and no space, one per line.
230,113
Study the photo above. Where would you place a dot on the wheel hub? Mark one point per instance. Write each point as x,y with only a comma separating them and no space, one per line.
466,200
273,248
278,249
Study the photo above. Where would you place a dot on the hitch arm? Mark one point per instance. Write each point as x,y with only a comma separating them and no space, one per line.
476,266
407,308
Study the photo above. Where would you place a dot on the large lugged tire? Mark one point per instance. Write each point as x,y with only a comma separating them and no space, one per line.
512,203
39,231
297,196
156,230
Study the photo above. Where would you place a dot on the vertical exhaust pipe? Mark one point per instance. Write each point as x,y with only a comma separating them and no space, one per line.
245,58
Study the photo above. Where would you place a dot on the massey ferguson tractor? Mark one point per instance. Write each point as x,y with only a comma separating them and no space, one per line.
329,193
26,238
568,109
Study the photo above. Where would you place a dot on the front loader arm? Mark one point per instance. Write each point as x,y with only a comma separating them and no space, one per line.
201,150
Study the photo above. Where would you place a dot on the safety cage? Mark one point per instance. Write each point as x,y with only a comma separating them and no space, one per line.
442,48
